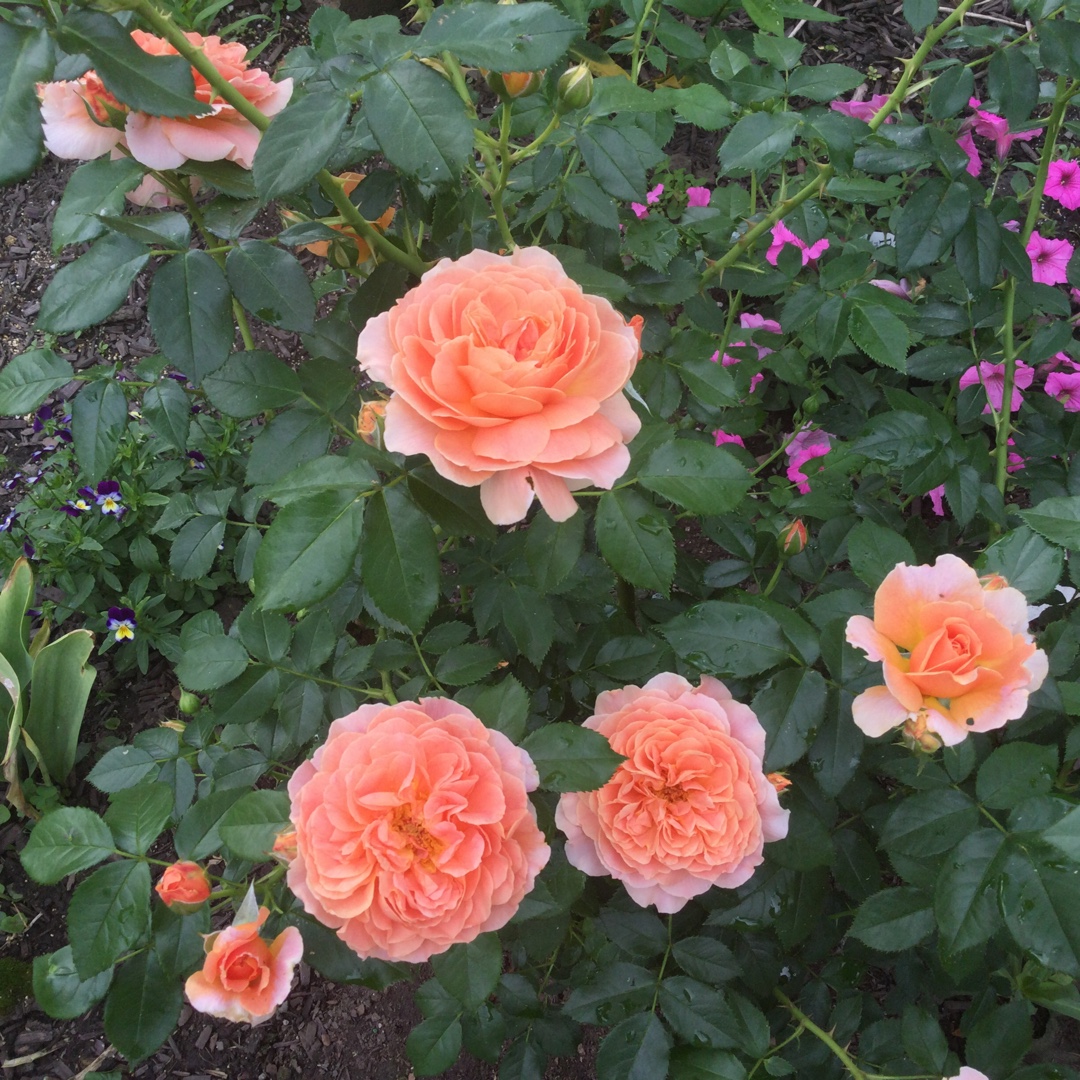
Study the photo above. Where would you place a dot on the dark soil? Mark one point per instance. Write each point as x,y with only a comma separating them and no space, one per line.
341,1032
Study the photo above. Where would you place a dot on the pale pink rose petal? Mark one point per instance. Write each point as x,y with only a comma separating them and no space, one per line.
75,118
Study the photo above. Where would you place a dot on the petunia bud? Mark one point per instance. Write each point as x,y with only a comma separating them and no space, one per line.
184,887
792,539
575,89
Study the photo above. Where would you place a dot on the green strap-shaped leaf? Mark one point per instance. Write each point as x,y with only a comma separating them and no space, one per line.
15,598
159,85
92,287
96,188
272,285
400,558
418,121
190,312
61,684
142,1007
98,419
636,540
298,143
525,37
308,550
26,58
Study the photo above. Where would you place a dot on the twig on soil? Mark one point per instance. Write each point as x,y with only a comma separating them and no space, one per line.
802,22
83,1073
987,18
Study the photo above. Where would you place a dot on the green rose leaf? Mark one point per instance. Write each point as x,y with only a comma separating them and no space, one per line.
571,758
108,915
60,991
65,841
26,58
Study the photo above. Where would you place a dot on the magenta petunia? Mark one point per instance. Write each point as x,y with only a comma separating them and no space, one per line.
862,110
721,437
992,378
653,196
991,126
936,503
1063,183
967,143
641,211
782,235
805,446
698,196
1049,259
1064,386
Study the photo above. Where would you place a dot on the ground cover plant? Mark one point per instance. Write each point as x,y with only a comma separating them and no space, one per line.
634,580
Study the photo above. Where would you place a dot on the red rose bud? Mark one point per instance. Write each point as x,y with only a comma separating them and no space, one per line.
575,89
184,887
793,538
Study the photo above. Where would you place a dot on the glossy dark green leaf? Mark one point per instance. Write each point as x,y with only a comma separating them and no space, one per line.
525,37
308,550
1057,519
928,222
894,920
199,832
291,438
470,972
880,334
96,188
1014,84
91,288
249,827
211,662
635,540
272,285
26,58
758,141
929,822
159,85
190,312
571,758
636,1049
65,841
823,82
166,407
874,550
978,251
108,915
298,143
58,989
419,121
920,13
121,767
137,815
196,546
791,707
28,379
613,993
1016,772
250,383
965,896
433,1045
727,639
612,160
143,1006
1059,49
696,476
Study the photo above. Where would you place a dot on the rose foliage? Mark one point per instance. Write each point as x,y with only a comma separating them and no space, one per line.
647,596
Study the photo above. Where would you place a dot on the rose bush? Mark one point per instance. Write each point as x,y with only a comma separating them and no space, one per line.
414,830
955,652
690,808
507,376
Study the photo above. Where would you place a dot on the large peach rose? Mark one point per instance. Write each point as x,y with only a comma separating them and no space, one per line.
414,830
955,652
78,118
505,374
690,807
166,142
245,978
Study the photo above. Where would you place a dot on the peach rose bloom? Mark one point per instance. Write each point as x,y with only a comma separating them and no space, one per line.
184,885
955,652
166,142
690,808
967,1073
245,978
77,118
414,830
505,374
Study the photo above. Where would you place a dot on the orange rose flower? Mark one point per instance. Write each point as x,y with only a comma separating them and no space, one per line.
244,977
690,807
184,886
505,374
955,652
414,829
166,142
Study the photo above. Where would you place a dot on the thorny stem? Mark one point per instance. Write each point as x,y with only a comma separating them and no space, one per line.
844,1057
635,65
330,185
825,172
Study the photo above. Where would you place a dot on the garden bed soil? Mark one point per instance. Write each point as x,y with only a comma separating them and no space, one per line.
323,1029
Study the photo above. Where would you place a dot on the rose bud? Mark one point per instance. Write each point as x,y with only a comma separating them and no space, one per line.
575,89
793,538
510,85
184,887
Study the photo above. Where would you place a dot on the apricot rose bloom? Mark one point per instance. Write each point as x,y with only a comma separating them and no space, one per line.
968,1073
245,978
184,886
691,806
955,651
507,376
414,829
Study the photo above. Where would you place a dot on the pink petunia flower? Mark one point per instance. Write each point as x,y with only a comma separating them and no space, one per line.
897,288
1064,386
640,210
721,437
698,196
862,110
806,446
936,503
1063,183
992,378
1012,225
1049,259
991,126
967,143
652,197
1014,462
750,322
782,235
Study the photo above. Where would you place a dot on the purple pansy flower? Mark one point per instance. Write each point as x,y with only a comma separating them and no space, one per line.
108,497
121,623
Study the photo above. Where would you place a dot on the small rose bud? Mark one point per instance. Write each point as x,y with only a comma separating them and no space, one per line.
184,887
189,703
778,781
575,88
793,538
284,849
993,582
511,85
370,421
917,736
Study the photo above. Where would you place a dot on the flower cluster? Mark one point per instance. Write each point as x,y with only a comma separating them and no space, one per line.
82,119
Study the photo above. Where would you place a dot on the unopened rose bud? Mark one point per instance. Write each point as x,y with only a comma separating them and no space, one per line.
189,703
511,85
369,422
575,89
792,539
993,582
284,849
184,887
778,781
918,737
